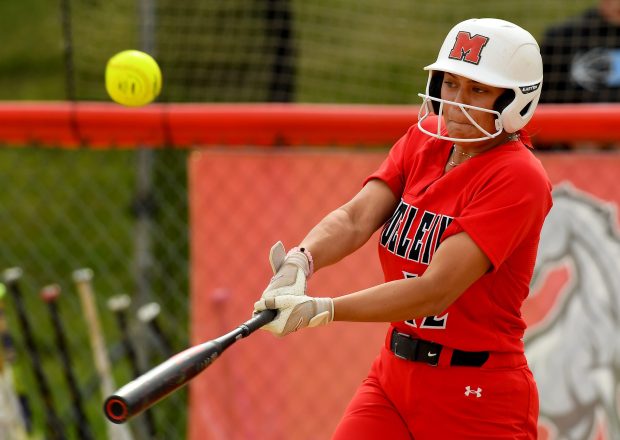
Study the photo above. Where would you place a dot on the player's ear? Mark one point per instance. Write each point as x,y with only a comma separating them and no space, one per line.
434,89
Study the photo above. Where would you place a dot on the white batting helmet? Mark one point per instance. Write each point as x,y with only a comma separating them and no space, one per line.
492,52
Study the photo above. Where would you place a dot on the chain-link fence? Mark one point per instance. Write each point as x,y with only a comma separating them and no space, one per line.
281,50
65,210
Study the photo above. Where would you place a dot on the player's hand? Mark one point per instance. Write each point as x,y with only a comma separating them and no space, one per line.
295,312
290,272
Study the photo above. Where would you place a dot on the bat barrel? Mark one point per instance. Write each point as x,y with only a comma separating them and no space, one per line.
154,385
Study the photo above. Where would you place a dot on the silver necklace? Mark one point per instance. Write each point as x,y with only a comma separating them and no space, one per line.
467,156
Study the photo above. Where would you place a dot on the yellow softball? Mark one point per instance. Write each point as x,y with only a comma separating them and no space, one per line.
132,78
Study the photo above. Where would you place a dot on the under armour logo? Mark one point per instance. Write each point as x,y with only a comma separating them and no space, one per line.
477,392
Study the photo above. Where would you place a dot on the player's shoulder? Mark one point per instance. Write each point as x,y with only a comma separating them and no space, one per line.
429,124
520,165
419,137
414,132
417,141
526,156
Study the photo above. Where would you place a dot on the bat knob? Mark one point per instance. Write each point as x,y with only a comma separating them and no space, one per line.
82,275
221,295
148,312
12,274
119,302
50,293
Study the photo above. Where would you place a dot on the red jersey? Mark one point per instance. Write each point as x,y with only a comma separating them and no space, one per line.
500,198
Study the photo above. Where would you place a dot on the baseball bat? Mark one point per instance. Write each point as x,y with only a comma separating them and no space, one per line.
50,294
83,279
55,429
14,404
155,384
119,305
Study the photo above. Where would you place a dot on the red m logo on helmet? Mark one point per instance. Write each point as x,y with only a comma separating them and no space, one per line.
468,48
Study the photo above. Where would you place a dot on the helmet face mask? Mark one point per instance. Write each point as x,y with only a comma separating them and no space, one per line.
492,52
436,105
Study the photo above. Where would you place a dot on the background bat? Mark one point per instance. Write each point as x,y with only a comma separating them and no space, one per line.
54,427
148,314
12,414
171,375
50,295
83,279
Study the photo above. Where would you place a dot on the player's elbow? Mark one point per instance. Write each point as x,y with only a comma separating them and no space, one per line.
358,230
437,307
438,298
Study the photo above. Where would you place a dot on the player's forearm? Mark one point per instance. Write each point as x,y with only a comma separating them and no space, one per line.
333,238
347,228
456,265
393,301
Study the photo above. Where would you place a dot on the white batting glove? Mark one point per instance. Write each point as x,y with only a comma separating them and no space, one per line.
290,271
295,312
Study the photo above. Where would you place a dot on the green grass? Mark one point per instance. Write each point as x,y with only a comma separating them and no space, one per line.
31,65
363,51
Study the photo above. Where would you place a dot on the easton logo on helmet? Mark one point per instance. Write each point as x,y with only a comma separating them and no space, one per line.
467,48
529,89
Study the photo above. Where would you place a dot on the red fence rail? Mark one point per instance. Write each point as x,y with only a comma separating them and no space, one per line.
70,125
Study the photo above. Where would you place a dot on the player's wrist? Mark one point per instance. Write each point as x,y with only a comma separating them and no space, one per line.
302,257
326,304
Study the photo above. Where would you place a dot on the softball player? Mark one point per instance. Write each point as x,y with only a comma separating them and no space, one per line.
461,200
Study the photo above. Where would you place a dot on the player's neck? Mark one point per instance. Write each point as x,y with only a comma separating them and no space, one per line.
463,152
476,148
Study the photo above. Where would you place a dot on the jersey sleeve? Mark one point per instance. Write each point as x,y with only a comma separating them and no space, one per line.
508,210
393,170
